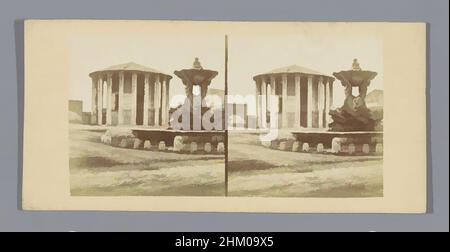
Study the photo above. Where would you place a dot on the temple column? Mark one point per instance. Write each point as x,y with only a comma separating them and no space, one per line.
331,93
315,103
109,99
94,101
320,102
273,85
272,93
146,98
258,102
100,100
133,98
327,103
167,103
284,119
163,102
157,99
263,104
297,101
120,109
310,102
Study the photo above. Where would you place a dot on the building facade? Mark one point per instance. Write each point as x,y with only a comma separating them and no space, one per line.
130,94
304,96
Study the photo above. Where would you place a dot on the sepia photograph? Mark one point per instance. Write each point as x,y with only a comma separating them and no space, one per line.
226,116
135,113
310,127
224,124
308,120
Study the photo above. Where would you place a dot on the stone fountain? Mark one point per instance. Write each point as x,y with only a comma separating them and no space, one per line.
195,102
194,138
355,128
354,114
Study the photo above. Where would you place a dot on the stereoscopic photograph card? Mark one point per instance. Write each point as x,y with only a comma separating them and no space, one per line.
210,116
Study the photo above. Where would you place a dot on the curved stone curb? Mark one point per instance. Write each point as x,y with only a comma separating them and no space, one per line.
339,146
178,145
193,148
295,146
207,148
147,144
221,147
137,143
162,146
320,148
305,147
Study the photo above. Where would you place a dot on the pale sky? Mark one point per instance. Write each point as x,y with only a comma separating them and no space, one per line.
165,54
249,55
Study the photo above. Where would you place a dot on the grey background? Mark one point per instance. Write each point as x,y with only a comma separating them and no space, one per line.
12,14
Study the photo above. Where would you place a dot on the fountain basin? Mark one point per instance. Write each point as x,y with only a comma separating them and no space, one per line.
326,137
355,78
196,76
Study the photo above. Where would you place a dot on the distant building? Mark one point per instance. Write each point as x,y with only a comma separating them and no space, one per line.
375,99
75,111
76,106
305,97
134,95
216,92
76,114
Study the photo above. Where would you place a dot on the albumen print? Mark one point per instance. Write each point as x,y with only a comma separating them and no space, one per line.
224,116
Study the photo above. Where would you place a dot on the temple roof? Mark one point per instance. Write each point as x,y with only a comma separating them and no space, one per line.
130,66
293,69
